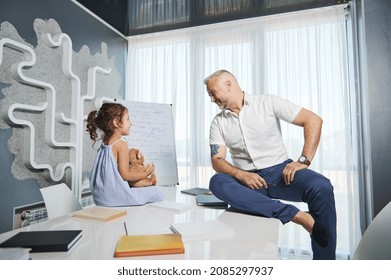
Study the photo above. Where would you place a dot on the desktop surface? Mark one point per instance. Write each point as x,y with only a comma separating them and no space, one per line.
244,236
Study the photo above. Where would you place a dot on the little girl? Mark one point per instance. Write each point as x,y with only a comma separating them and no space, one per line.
110,172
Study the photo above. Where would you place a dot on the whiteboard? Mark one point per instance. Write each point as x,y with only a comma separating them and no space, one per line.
153,134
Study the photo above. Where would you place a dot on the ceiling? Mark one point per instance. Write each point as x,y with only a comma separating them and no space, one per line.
114,12
148,16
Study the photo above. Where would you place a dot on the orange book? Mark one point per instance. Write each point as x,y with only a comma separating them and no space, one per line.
100,213
146,245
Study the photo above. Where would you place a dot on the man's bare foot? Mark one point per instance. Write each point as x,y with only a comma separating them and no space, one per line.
317,231
305,220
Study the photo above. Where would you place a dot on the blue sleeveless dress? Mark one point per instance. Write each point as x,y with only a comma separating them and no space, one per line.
109,189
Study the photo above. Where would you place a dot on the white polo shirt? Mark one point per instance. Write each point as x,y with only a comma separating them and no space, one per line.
254,137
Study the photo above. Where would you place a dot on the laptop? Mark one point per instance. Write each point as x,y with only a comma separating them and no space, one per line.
196,191
209,200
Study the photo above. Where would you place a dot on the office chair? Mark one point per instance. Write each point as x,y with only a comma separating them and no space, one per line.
59,200
375,243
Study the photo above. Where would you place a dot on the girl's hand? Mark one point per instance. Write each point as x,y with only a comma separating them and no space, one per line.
150,168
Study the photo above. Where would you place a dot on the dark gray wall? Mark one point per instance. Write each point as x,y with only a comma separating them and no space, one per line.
83,29
376,89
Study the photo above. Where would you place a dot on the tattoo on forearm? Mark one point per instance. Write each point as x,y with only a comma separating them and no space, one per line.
214,149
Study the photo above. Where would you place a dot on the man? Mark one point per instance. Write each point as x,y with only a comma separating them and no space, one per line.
261,171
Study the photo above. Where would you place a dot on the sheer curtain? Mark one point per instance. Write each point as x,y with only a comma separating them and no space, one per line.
300,56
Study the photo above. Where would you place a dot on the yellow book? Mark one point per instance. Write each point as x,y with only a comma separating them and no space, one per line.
100,213
146,245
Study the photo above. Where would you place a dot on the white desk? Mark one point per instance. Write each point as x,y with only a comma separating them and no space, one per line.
253,237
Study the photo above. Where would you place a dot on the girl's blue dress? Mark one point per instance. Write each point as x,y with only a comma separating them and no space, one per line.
109,189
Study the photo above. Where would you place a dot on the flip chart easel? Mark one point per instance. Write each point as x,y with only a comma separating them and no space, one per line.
153,134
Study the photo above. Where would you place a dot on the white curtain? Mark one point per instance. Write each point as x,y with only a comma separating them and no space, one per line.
300,56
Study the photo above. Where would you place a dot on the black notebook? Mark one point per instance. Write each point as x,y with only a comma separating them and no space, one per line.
44,241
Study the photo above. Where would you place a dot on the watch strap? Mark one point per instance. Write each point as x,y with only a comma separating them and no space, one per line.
304,160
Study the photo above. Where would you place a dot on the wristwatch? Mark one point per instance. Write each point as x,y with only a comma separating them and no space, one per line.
304,160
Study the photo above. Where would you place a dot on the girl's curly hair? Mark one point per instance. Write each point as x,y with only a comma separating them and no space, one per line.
103,119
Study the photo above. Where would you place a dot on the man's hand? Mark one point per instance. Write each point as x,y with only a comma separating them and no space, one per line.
251,180
290,170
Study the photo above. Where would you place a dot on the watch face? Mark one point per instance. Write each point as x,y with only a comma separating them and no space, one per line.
302,159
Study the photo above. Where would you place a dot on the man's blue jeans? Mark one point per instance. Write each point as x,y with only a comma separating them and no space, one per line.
308,186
